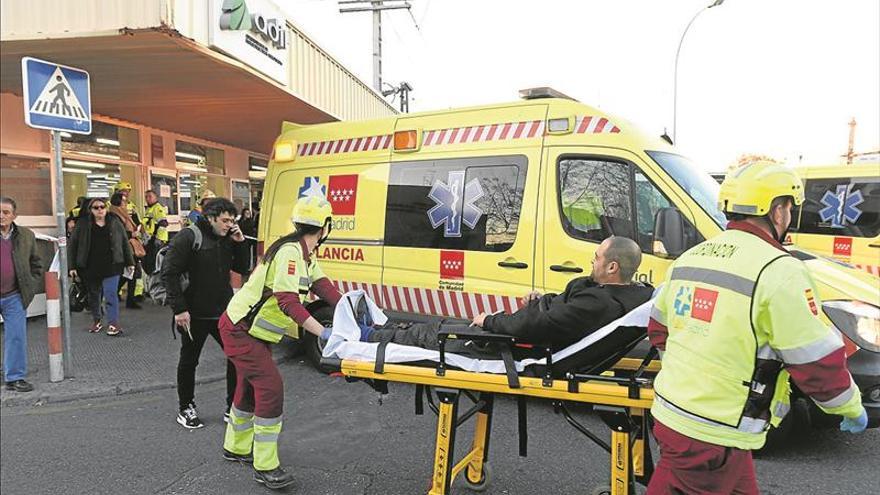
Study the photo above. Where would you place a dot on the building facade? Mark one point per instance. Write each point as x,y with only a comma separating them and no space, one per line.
187,95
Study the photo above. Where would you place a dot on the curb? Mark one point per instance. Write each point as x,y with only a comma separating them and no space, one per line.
14,399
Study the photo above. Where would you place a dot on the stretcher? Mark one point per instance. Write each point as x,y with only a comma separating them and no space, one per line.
618,388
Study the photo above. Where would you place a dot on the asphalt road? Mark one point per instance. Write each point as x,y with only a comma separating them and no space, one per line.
338,440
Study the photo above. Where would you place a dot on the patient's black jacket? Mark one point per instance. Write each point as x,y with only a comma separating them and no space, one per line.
559,320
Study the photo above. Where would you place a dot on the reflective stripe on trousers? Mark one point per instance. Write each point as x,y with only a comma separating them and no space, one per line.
266,431
239,437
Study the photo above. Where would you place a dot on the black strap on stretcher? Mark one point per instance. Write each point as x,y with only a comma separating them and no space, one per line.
500,344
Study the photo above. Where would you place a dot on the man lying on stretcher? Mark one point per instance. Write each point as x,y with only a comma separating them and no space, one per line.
557,320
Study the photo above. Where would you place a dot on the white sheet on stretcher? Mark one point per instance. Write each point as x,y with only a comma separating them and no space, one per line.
344,342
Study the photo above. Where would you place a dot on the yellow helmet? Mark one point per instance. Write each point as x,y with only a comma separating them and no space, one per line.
750,189
312,210
208,194
122,186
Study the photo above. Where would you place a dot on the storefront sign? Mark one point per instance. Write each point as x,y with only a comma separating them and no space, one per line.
254,32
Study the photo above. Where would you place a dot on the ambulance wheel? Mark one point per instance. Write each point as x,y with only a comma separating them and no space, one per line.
484,480
312,344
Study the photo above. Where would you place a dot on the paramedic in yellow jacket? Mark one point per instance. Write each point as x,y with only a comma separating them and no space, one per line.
155,221
737,316
269,306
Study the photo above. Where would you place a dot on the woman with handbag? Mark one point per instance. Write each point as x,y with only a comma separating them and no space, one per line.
119,208
98,250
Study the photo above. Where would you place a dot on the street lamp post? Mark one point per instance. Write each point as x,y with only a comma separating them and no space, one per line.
675,79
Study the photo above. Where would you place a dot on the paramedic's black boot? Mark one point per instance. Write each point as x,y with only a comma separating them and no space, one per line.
232,456
274,479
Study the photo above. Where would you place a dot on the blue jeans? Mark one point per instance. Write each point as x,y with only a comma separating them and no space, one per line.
14,337
107,287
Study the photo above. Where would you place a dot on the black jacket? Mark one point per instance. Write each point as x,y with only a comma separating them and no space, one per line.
81,239
562,319
209,289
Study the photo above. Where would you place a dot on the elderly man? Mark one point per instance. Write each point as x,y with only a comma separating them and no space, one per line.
20,269
588,304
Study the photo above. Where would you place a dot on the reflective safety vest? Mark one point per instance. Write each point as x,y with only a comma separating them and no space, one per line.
152,216
736,308
288,272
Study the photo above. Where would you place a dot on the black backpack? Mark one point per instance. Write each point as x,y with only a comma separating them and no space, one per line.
156,286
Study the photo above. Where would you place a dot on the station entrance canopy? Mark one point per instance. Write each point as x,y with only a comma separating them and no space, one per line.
160,79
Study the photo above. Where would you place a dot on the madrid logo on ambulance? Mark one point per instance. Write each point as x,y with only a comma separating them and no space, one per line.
341,192
452,265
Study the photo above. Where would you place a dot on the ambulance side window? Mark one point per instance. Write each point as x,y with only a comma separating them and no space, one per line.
844,207
594,198
465,204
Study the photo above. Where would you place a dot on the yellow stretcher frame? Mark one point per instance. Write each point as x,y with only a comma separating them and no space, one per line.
624,406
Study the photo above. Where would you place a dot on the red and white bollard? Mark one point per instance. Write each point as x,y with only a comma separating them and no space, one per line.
53,321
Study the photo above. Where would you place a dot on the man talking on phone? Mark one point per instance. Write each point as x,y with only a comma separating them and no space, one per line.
206,258
586,305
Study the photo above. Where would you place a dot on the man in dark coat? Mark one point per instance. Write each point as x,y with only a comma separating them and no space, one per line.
198,308
20,271
588,304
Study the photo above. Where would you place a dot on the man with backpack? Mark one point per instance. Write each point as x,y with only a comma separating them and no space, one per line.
195,274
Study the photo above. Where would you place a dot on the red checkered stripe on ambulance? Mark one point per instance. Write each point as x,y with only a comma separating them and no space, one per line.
349,145
872,269
432,302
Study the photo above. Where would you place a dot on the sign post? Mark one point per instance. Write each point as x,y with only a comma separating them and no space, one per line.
58,98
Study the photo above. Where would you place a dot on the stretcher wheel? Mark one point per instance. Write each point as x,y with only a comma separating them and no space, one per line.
601,490
483,484
605,489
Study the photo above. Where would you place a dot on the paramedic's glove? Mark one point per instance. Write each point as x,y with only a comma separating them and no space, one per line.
366,331
855,425
325,333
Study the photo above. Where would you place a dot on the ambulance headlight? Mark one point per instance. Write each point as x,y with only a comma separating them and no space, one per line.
859,321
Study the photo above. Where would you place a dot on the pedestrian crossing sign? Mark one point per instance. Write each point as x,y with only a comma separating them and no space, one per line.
56,97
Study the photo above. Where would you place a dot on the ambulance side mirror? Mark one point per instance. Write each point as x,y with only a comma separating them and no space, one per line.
670,233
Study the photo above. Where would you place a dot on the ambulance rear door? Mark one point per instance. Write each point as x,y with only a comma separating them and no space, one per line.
460,214
840,218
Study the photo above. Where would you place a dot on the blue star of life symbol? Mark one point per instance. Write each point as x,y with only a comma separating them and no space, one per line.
455,203
312,187
683,301
841,206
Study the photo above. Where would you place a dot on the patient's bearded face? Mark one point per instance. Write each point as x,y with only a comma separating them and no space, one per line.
600,264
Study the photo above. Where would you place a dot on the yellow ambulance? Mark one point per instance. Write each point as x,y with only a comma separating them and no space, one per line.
457,212
840,217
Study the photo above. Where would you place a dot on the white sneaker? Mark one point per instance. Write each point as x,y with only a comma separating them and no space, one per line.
189,418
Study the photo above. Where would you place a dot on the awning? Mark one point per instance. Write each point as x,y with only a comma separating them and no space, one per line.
160,79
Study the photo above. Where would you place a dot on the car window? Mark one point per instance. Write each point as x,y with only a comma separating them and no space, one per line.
595,198
841,206
465,204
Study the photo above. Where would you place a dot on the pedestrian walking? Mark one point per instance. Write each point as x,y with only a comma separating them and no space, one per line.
198,306
268,306
97,252
737,316
119,208
20,270
135,285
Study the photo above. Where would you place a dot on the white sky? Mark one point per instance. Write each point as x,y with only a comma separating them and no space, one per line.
775,77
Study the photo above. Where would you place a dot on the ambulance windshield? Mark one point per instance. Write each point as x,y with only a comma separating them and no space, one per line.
696,182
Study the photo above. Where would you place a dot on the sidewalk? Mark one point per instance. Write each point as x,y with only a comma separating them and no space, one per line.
143,358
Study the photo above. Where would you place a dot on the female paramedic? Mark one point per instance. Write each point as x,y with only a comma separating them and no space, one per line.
268,306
